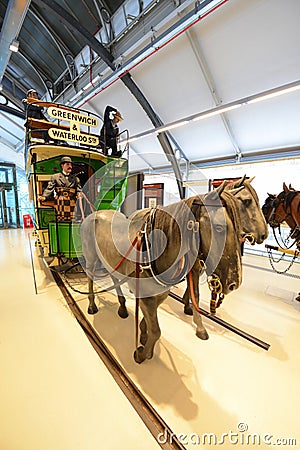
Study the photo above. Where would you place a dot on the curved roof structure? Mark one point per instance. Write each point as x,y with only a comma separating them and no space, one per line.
205,82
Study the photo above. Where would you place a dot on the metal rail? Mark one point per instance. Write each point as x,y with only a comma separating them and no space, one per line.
148,414
223,323
227,325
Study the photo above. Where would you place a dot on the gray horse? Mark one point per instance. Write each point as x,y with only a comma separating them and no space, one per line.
252,223
173,238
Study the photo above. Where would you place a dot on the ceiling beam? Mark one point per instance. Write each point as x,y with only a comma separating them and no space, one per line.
56,39
13,20
7,143
12,111
16,124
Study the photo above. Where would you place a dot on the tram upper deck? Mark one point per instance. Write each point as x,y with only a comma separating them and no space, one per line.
74,133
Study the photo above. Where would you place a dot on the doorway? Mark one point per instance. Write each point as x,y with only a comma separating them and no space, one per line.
9,208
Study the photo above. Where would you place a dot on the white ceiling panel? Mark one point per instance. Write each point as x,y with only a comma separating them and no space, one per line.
147,158
251,46
12,128
173,82
268,124
204,137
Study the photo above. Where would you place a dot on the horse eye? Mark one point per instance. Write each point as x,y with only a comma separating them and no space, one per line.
247,202
219,228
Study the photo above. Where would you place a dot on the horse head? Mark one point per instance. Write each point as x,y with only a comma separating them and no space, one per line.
269,210
275,209
253,223
219,240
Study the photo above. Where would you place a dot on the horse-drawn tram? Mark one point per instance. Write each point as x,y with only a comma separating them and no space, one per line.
178,393
97,181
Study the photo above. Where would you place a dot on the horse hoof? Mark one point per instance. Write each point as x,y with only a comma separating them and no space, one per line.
188,310
123,313
92,309
139,355
202,335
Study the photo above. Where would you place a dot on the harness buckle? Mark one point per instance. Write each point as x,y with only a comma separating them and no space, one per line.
193,225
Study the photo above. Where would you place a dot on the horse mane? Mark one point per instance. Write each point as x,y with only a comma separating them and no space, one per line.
247,184
252,191
227,200
288,197
232,209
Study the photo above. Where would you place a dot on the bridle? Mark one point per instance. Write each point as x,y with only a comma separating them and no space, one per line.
275,218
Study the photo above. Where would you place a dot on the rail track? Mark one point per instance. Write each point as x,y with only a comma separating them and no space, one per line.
153,421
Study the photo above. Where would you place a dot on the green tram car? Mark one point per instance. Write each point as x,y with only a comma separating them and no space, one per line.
103,178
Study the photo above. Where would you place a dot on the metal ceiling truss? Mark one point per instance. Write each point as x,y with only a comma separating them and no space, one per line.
16,124
13,97
58,42
12,111
104,15
7,143
41,75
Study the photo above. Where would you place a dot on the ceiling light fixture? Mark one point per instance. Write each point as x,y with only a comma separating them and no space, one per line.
170,127
14,46
217,111
274,94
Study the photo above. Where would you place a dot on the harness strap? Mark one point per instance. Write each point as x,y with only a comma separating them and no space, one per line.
191,284
128,251
137,287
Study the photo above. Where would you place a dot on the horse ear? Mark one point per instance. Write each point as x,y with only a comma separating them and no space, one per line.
212,195
241,181
285,188
238,183
272,196
250,180
236,190
220,188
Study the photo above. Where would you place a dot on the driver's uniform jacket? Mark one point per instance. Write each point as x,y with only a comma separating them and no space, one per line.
62,180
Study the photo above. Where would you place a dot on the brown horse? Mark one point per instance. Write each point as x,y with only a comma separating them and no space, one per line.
252,223
284,207
173,238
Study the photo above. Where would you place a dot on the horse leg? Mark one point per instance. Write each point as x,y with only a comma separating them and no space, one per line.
187,294
186,301
122,311
197,317
149,307
92,309
144,334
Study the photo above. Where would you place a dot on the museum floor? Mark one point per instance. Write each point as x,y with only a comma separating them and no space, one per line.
55,393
